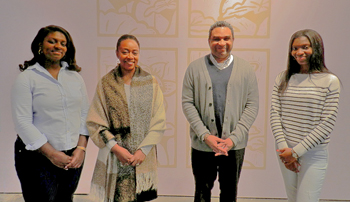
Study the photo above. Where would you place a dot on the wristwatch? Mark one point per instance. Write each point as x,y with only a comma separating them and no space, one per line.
294,154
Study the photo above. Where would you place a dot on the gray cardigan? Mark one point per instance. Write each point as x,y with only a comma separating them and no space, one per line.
241,109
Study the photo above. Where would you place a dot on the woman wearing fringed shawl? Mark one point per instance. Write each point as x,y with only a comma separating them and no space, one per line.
126,120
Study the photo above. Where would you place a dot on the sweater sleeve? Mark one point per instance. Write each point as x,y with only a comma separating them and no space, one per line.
250,110
188,105
275,115
327,122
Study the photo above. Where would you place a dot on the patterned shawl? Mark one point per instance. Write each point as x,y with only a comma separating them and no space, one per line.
140,124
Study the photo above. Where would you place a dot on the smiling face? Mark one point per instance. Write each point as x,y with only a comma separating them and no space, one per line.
128,55
54,46
301,51
220,43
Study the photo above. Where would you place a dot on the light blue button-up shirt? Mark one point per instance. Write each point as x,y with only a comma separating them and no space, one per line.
48,110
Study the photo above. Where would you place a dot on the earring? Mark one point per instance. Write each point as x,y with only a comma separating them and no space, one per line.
40,51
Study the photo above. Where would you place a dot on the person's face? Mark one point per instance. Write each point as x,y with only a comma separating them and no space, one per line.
54,46
128,54
220,43
301,51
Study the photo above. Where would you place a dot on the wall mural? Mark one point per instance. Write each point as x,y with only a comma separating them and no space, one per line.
249,18
138,17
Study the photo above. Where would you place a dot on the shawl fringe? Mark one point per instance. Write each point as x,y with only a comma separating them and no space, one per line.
108,119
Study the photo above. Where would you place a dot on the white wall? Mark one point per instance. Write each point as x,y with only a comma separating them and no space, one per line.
172,35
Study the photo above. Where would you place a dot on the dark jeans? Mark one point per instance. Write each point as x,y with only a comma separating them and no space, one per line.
41,180
206,166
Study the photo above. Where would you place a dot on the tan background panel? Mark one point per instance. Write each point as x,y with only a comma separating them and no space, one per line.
172,33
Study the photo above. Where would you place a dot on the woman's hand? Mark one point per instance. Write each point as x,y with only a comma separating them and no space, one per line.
292,166
57,158
78,154
285,155
122,154
77,159
137,158
289,161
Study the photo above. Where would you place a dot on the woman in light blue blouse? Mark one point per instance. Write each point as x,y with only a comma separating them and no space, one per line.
49,108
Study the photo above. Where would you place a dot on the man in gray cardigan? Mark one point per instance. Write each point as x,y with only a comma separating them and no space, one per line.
220,100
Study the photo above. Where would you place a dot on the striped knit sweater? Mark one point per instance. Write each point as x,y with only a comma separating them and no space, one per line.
304,116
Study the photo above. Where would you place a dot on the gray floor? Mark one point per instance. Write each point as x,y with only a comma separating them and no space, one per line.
4,197
85,198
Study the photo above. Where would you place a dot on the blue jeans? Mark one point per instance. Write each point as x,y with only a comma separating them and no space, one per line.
41,180
206,166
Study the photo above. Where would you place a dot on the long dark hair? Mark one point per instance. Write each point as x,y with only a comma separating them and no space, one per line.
316,61
40,58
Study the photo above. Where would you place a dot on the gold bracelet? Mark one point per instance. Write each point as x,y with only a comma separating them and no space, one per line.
82,148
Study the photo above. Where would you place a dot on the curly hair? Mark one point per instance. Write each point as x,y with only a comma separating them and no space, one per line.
220,24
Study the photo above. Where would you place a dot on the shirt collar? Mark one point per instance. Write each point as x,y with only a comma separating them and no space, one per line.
222,65
64,65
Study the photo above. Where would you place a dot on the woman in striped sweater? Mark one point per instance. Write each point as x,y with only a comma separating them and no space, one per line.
303,113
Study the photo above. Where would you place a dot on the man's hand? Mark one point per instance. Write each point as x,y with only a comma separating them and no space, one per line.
213,142
226,145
